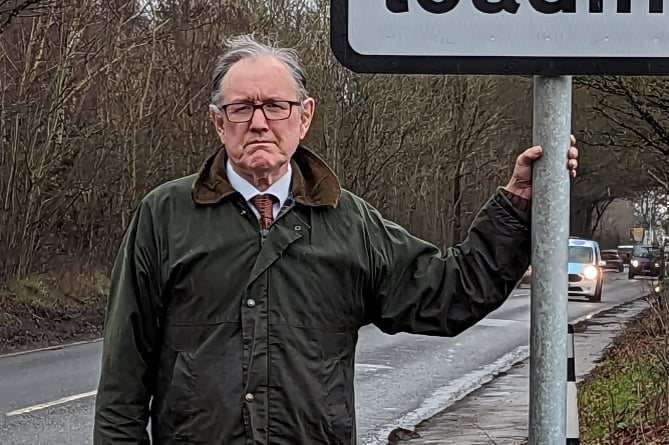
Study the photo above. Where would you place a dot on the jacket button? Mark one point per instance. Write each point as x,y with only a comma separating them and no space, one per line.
250,302
298,228
249,397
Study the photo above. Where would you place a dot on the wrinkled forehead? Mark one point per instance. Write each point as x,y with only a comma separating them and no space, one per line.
258,79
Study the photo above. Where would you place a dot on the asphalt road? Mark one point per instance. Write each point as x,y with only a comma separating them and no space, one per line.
46,397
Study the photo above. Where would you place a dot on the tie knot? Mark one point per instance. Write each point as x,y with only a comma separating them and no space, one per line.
265,205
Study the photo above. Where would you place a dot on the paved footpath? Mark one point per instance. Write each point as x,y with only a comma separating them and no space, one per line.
497,413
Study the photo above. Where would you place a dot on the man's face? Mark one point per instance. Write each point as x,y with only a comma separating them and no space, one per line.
260,147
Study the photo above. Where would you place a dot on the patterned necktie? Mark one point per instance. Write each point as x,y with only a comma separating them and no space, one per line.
264,204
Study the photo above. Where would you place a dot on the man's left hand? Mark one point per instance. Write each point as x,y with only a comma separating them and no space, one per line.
521,180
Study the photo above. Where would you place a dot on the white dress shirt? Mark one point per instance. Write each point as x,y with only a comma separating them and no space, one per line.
280,189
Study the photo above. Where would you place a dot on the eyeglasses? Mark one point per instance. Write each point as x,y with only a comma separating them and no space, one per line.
273,111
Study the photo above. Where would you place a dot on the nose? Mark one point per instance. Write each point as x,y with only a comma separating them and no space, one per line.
258,120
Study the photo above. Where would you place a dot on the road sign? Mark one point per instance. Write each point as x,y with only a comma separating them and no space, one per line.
637,234
542,37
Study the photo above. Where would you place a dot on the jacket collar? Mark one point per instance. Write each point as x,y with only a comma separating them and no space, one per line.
314,183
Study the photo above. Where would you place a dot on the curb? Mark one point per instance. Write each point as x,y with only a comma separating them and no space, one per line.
49,348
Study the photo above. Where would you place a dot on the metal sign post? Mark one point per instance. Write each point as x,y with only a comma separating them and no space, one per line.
550,237
549,39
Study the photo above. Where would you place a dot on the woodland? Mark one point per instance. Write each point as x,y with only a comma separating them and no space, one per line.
103,100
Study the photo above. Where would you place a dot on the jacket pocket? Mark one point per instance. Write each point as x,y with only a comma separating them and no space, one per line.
182,397
339,411
199,398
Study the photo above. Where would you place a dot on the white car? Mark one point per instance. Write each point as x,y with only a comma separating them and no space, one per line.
585,269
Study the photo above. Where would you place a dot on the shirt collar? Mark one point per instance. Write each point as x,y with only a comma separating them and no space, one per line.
280,189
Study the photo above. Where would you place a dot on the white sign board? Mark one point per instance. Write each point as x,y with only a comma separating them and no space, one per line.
547,37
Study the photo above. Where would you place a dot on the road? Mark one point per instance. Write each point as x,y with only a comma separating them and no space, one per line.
46,397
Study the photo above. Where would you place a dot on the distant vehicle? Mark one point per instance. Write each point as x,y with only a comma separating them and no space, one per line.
613,260
585,269
646,261
625,253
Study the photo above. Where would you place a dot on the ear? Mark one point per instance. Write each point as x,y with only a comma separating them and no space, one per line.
218,120
309,106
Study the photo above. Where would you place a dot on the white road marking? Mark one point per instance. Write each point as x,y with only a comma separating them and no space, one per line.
496,322
29,409
367,367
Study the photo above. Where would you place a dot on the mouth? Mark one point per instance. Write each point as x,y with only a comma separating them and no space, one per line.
259,143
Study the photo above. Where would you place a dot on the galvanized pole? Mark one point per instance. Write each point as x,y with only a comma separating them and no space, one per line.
550,238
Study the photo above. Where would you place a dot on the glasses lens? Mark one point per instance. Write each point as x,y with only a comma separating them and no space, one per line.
277,110
239,112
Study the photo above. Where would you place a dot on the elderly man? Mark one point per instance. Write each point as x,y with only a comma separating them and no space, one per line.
238,292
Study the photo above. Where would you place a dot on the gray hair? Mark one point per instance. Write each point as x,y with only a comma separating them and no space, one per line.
247,47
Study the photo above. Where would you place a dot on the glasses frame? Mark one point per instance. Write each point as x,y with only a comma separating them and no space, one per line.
291,103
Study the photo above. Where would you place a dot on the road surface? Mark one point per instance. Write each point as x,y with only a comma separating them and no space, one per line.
46,397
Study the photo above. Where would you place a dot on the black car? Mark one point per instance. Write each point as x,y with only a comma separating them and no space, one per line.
646,261
613,260
625,253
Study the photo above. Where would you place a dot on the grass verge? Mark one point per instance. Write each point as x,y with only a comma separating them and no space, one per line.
43,310
625,400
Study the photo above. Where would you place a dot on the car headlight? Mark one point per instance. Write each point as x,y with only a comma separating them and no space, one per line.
657,264
590,272
634,263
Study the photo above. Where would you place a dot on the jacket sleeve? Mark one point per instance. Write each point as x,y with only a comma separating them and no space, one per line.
130,333
417,288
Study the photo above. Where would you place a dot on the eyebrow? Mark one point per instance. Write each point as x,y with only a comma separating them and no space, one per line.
247,99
